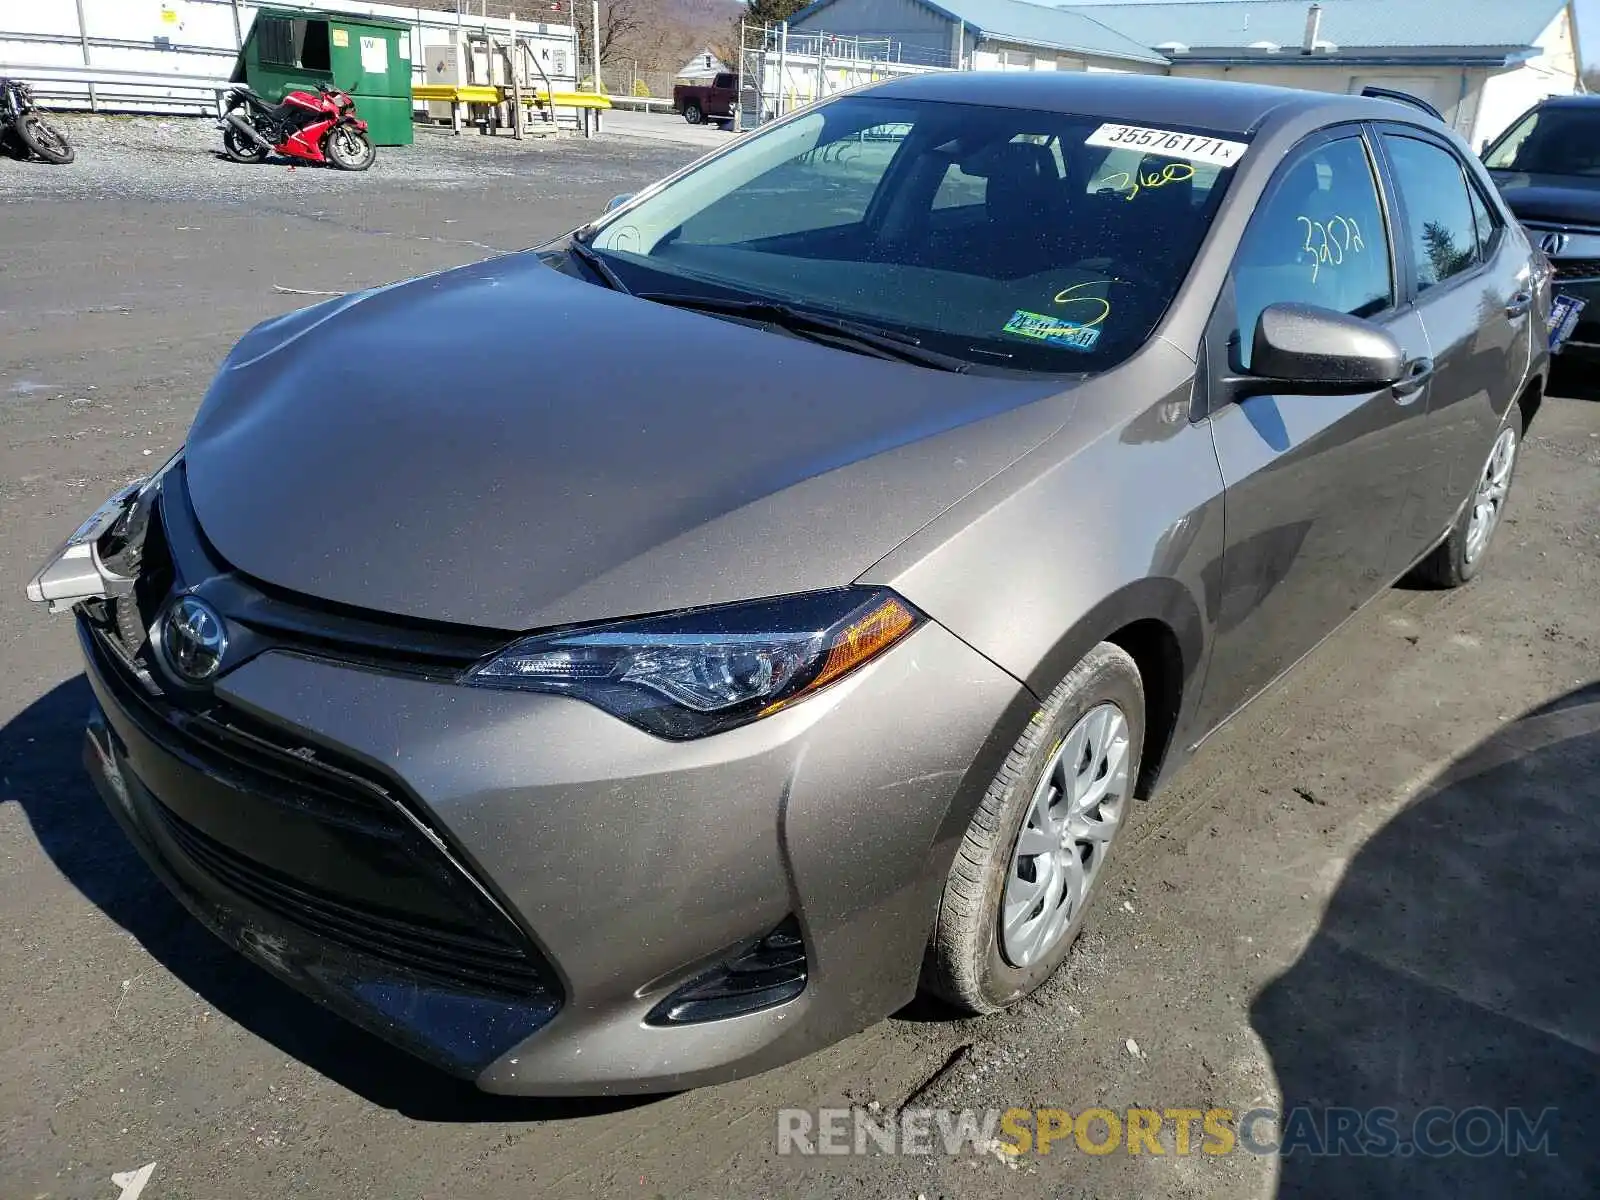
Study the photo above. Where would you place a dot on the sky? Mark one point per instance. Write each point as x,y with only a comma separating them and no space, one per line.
1589,31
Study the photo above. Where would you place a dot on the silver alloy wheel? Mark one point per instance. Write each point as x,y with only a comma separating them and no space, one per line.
1076,811
1490,499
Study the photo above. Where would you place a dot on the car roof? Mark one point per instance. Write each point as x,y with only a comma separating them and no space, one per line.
1160,100
1586,101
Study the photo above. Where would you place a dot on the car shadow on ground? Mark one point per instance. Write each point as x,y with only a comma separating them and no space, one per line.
1457,968
1576,377
40,764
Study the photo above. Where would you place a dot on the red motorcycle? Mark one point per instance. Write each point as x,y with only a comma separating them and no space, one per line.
321,128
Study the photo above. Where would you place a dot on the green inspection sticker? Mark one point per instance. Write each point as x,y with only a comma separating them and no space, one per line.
1042,328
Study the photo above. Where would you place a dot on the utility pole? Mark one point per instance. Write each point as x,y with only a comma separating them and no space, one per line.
738,85
515,60
783,65
594,39
83,36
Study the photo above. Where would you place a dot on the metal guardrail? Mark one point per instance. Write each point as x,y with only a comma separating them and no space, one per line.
109,87
644,103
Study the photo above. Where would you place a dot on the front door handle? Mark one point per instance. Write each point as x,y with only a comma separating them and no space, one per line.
1519,305
1415,377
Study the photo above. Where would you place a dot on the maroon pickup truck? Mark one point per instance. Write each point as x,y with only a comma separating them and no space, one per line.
700,102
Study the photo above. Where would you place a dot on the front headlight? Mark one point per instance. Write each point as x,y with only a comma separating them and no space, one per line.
699,672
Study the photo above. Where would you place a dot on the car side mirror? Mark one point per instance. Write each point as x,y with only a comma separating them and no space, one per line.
618,201
1306,350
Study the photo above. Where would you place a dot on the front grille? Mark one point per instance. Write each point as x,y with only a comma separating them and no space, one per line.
447,929
1576,268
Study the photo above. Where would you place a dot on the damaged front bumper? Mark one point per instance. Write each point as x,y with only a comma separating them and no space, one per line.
80,568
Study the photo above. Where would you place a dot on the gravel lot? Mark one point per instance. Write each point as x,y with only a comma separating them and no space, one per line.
1379,886
180,159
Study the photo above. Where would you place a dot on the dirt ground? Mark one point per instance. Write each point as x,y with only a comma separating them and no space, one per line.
1380,886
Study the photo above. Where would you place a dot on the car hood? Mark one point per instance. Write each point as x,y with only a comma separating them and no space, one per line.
505,446
1553,199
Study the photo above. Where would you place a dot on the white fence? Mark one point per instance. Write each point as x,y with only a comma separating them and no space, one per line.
781,71
173,55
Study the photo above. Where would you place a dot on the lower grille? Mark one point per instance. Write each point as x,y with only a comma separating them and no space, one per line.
399,900
446,955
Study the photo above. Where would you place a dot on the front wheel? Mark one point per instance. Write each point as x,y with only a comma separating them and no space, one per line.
1034,854
43,139
694,114
1457,559
349,149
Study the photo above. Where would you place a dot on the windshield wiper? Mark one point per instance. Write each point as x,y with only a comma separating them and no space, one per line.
581,251
882,343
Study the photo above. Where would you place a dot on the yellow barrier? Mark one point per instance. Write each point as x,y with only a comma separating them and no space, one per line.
450,93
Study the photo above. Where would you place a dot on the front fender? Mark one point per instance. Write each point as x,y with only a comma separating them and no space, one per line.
1095,530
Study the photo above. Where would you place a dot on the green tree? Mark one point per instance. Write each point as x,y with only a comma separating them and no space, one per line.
770,12
756,14
1443,254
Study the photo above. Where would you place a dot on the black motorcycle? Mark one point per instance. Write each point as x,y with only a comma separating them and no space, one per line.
23,129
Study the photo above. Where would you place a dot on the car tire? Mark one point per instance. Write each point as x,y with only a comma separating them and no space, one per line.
974,962
1459,557
694,114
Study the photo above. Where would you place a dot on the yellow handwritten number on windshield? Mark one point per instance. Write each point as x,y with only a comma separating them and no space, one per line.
1065,296
1175,172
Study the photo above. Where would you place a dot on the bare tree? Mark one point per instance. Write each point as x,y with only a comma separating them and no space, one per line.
620,23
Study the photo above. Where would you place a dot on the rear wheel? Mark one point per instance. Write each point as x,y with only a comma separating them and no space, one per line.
1033,856
694,114
1457,559
240,148
349,149
44,139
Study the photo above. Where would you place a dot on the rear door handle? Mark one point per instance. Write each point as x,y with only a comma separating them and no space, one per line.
1519,305
1417,373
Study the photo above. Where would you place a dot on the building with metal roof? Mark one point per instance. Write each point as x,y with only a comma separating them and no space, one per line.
1479,62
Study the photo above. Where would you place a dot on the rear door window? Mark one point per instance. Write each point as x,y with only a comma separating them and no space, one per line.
1438,207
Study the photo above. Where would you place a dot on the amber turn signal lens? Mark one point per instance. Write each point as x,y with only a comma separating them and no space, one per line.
864,638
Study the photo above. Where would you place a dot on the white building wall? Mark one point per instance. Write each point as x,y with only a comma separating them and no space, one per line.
1454,91
1477,102
992,55
1553,73
171,55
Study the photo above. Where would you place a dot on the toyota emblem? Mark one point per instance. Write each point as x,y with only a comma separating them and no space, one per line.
193,639
1553,243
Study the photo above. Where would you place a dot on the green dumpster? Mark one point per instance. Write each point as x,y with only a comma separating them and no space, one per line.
294,49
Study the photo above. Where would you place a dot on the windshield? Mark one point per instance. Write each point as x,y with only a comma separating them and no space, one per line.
1003,237
1551,141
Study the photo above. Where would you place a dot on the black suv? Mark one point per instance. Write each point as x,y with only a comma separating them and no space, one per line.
1548,168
